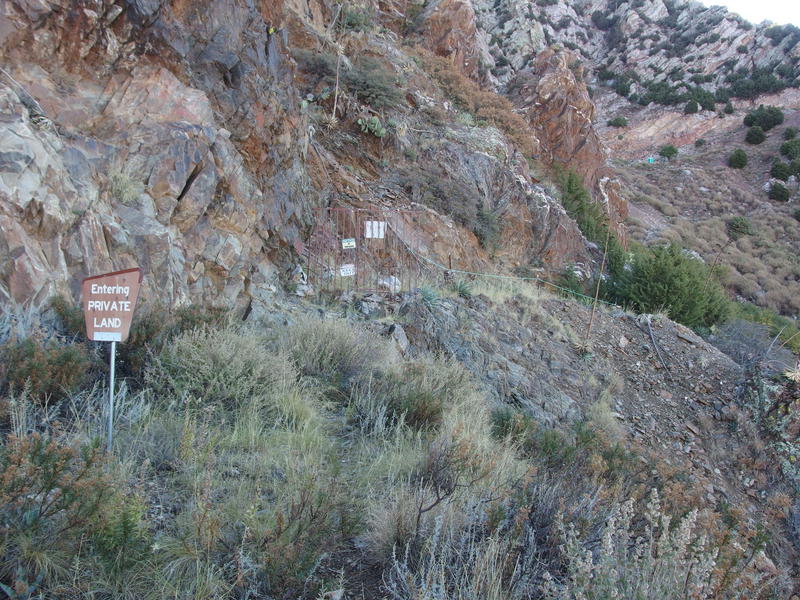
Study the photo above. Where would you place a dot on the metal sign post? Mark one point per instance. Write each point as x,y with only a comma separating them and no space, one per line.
111,397
108,303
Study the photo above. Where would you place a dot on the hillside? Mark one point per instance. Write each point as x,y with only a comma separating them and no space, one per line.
409,327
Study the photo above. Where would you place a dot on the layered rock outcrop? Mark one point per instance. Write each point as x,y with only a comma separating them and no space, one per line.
164,136
552,95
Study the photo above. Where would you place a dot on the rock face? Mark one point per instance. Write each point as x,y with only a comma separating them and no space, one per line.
165,137
552,95
172,137
449,27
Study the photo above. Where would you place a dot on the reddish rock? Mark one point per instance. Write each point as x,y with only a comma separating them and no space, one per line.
553,96
450,30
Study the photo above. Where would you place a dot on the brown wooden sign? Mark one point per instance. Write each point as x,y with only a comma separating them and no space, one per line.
108,303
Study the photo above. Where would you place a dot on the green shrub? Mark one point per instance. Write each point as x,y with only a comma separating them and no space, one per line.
728,110
369,79
796,214
70,315
791,149
668,278
783,327
571,285
49,371
374,84
592,220
356,19
780,170
487,229
669,151
332,350
618,122
121,540
547,446
764,117
50,497
778,191
415,394
372,125
463,289
790,133
699,143
738,227
755,135
737,159
691,107
218,368
153,327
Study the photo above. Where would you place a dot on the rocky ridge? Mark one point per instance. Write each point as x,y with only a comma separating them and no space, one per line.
681,42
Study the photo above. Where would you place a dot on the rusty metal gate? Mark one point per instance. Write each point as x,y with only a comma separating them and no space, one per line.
365,250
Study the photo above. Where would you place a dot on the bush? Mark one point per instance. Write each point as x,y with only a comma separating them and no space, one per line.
764,117
618,122
369,79
783,327
737,159
738,227
153,327
592,220
699,143
487,106
691,107
755,135
49,370
779,192
218,368
356,19
334,351
664,561
70,315
790,133
50,496
791,149
487,229
372,125
728,110
669,152
374,84
124,189
668,278
780,170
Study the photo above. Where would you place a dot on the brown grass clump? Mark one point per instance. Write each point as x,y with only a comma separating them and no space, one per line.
486,106
51,370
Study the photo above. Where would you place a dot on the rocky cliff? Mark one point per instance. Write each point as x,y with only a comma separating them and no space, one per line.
195,139
191,140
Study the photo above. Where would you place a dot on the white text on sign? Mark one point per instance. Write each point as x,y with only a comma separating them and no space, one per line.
109,305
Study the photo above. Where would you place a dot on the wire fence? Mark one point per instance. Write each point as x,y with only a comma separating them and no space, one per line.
380,250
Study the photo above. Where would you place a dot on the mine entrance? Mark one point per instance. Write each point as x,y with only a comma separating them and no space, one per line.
370,249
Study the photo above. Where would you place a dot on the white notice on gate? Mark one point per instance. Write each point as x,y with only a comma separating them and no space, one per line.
347,270
375,229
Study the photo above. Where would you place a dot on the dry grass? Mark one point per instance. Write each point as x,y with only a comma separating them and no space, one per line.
307,441
484,106
695,202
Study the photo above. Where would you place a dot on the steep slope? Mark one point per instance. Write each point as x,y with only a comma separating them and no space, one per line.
176,138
